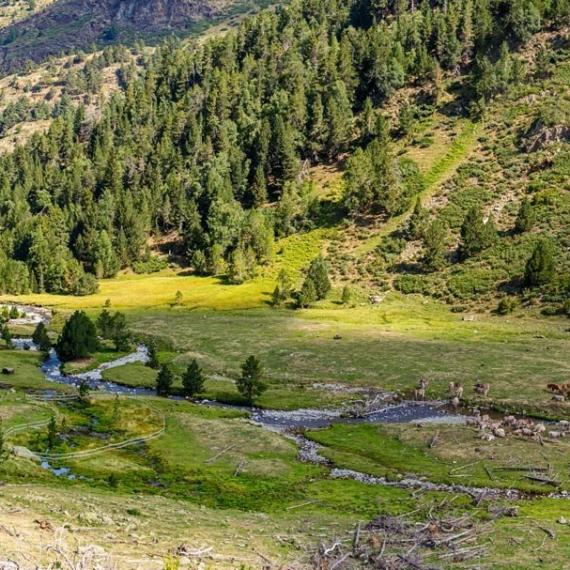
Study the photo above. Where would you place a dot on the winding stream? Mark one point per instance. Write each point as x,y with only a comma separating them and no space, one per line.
285,422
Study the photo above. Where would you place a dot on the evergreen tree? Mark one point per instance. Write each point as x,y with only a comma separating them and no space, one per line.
52,433
476,235
307,294
193,379
434,239
105,324
525,217
78,339
152,356
540,268
319,274
346,295
250,384
164,381
418,221
41,337
119,332
84,393
6,335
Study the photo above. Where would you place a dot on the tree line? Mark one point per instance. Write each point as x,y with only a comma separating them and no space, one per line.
205,137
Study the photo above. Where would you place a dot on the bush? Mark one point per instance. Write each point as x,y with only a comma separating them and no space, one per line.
409,284
506,306
152,265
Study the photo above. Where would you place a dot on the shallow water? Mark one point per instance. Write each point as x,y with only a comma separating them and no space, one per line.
278,420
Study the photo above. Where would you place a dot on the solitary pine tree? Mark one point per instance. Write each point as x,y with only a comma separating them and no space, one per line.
41,338
152,356
193,379
476,235
540,267
319,274
250,384
525,217
164,381
418,221
307,294
78,338
52,433
435,237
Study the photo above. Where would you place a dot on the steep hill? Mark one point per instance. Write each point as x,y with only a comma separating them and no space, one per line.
68,25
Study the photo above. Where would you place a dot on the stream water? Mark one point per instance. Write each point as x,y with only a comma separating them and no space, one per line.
288,422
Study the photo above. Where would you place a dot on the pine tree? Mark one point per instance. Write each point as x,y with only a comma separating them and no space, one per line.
418,221
307,294
78,339
476,235
104,324
6,335
540,268
193,379
525,217
84,393
319,274
41,338
152,356
52,433
164,381
434,238
250,384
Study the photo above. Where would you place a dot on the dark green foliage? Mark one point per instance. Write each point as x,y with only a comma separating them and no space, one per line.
525,217
114,327
41,338
52,435
104,323
193,379
152,356
250,384
418,221
307,294
78,339
6,335
209,132
84,392
476,235
318,273
540,267
346,295
435,238
164,381
375,180
506,306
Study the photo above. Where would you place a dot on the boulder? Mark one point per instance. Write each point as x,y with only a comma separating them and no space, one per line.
25,453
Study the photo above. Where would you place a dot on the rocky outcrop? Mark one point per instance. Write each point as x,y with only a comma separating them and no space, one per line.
67,25
540,135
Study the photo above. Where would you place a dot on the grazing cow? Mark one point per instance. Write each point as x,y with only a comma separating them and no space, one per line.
482,389
456,389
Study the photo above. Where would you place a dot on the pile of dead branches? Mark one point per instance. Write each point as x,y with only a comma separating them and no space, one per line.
400,543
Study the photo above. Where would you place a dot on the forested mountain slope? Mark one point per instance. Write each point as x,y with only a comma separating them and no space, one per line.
33,32
212,143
